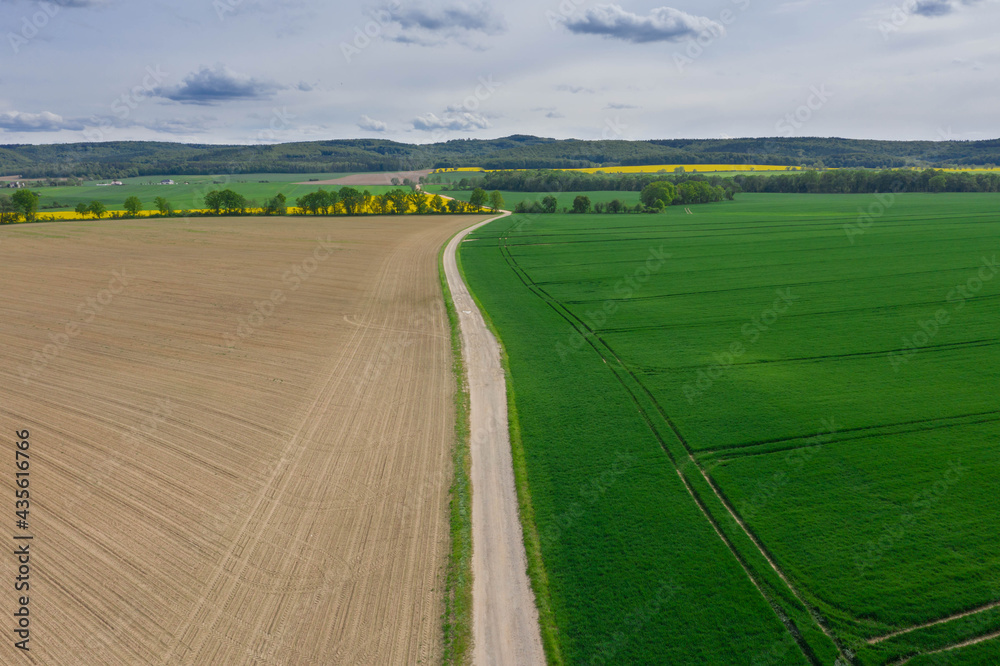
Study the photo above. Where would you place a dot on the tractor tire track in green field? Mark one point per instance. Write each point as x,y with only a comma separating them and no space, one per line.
590,335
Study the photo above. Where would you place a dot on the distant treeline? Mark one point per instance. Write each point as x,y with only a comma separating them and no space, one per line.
861,181
578,181
121,159
836,181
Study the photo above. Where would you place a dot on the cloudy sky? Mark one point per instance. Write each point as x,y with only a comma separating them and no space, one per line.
265,71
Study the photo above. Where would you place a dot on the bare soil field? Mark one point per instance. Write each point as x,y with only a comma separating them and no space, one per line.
240,435
371,178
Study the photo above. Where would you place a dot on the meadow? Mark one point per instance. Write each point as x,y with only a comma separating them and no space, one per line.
189,192
785,406
564,199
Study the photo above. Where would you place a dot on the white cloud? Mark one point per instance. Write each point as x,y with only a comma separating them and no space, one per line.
15,121
372,125
454,121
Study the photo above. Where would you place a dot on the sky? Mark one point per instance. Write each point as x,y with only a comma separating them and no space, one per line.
422,71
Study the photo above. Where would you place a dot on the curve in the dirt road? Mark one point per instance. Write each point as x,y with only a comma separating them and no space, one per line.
504,618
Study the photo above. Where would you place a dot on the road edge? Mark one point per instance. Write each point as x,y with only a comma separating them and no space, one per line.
456,619
525,646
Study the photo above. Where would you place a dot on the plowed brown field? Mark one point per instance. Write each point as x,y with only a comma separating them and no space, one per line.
241,452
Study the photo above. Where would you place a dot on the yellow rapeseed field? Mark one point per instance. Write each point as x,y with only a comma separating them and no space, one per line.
649,168
690,168
69,214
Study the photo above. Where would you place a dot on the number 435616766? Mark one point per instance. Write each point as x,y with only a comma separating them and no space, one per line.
22,479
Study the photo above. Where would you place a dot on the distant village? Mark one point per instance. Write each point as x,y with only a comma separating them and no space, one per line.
20,184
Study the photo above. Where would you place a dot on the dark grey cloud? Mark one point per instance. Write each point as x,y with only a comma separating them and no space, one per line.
455,121
663,24
372,125
79,3
554,114
934,8
216,85
433,24
563,87
15,121
616,105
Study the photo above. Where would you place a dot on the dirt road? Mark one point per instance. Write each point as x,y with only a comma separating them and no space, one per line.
241,438
505,620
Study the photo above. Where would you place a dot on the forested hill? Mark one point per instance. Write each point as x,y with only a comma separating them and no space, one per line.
139,158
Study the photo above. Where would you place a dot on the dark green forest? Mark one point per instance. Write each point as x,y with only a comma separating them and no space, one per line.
840,181
121,159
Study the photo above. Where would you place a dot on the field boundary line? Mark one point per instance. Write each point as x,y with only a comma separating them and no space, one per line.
972,611
966,643
944,346
456,623
735,451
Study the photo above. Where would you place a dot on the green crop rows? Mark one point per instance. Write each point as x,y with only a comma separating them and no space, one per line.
766,432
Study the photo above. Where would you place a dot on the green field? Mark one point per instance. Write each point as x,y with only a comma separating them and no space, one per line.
565,199
822,367
189,192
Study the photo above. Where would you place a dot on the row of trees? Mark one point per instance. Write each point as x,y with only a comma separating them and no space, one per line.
23,204
864,181
351,201
133,208
580,181
654,198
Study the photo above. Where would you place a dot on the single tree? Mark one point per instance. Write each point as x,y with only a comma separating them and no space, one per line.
133,206
398,199
233,203
351,199
163,206
550,204
478,198
437,203
213,201
455,206
496,200
82,209
97,209
26,203
276,205
8,211
417,201
581,204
